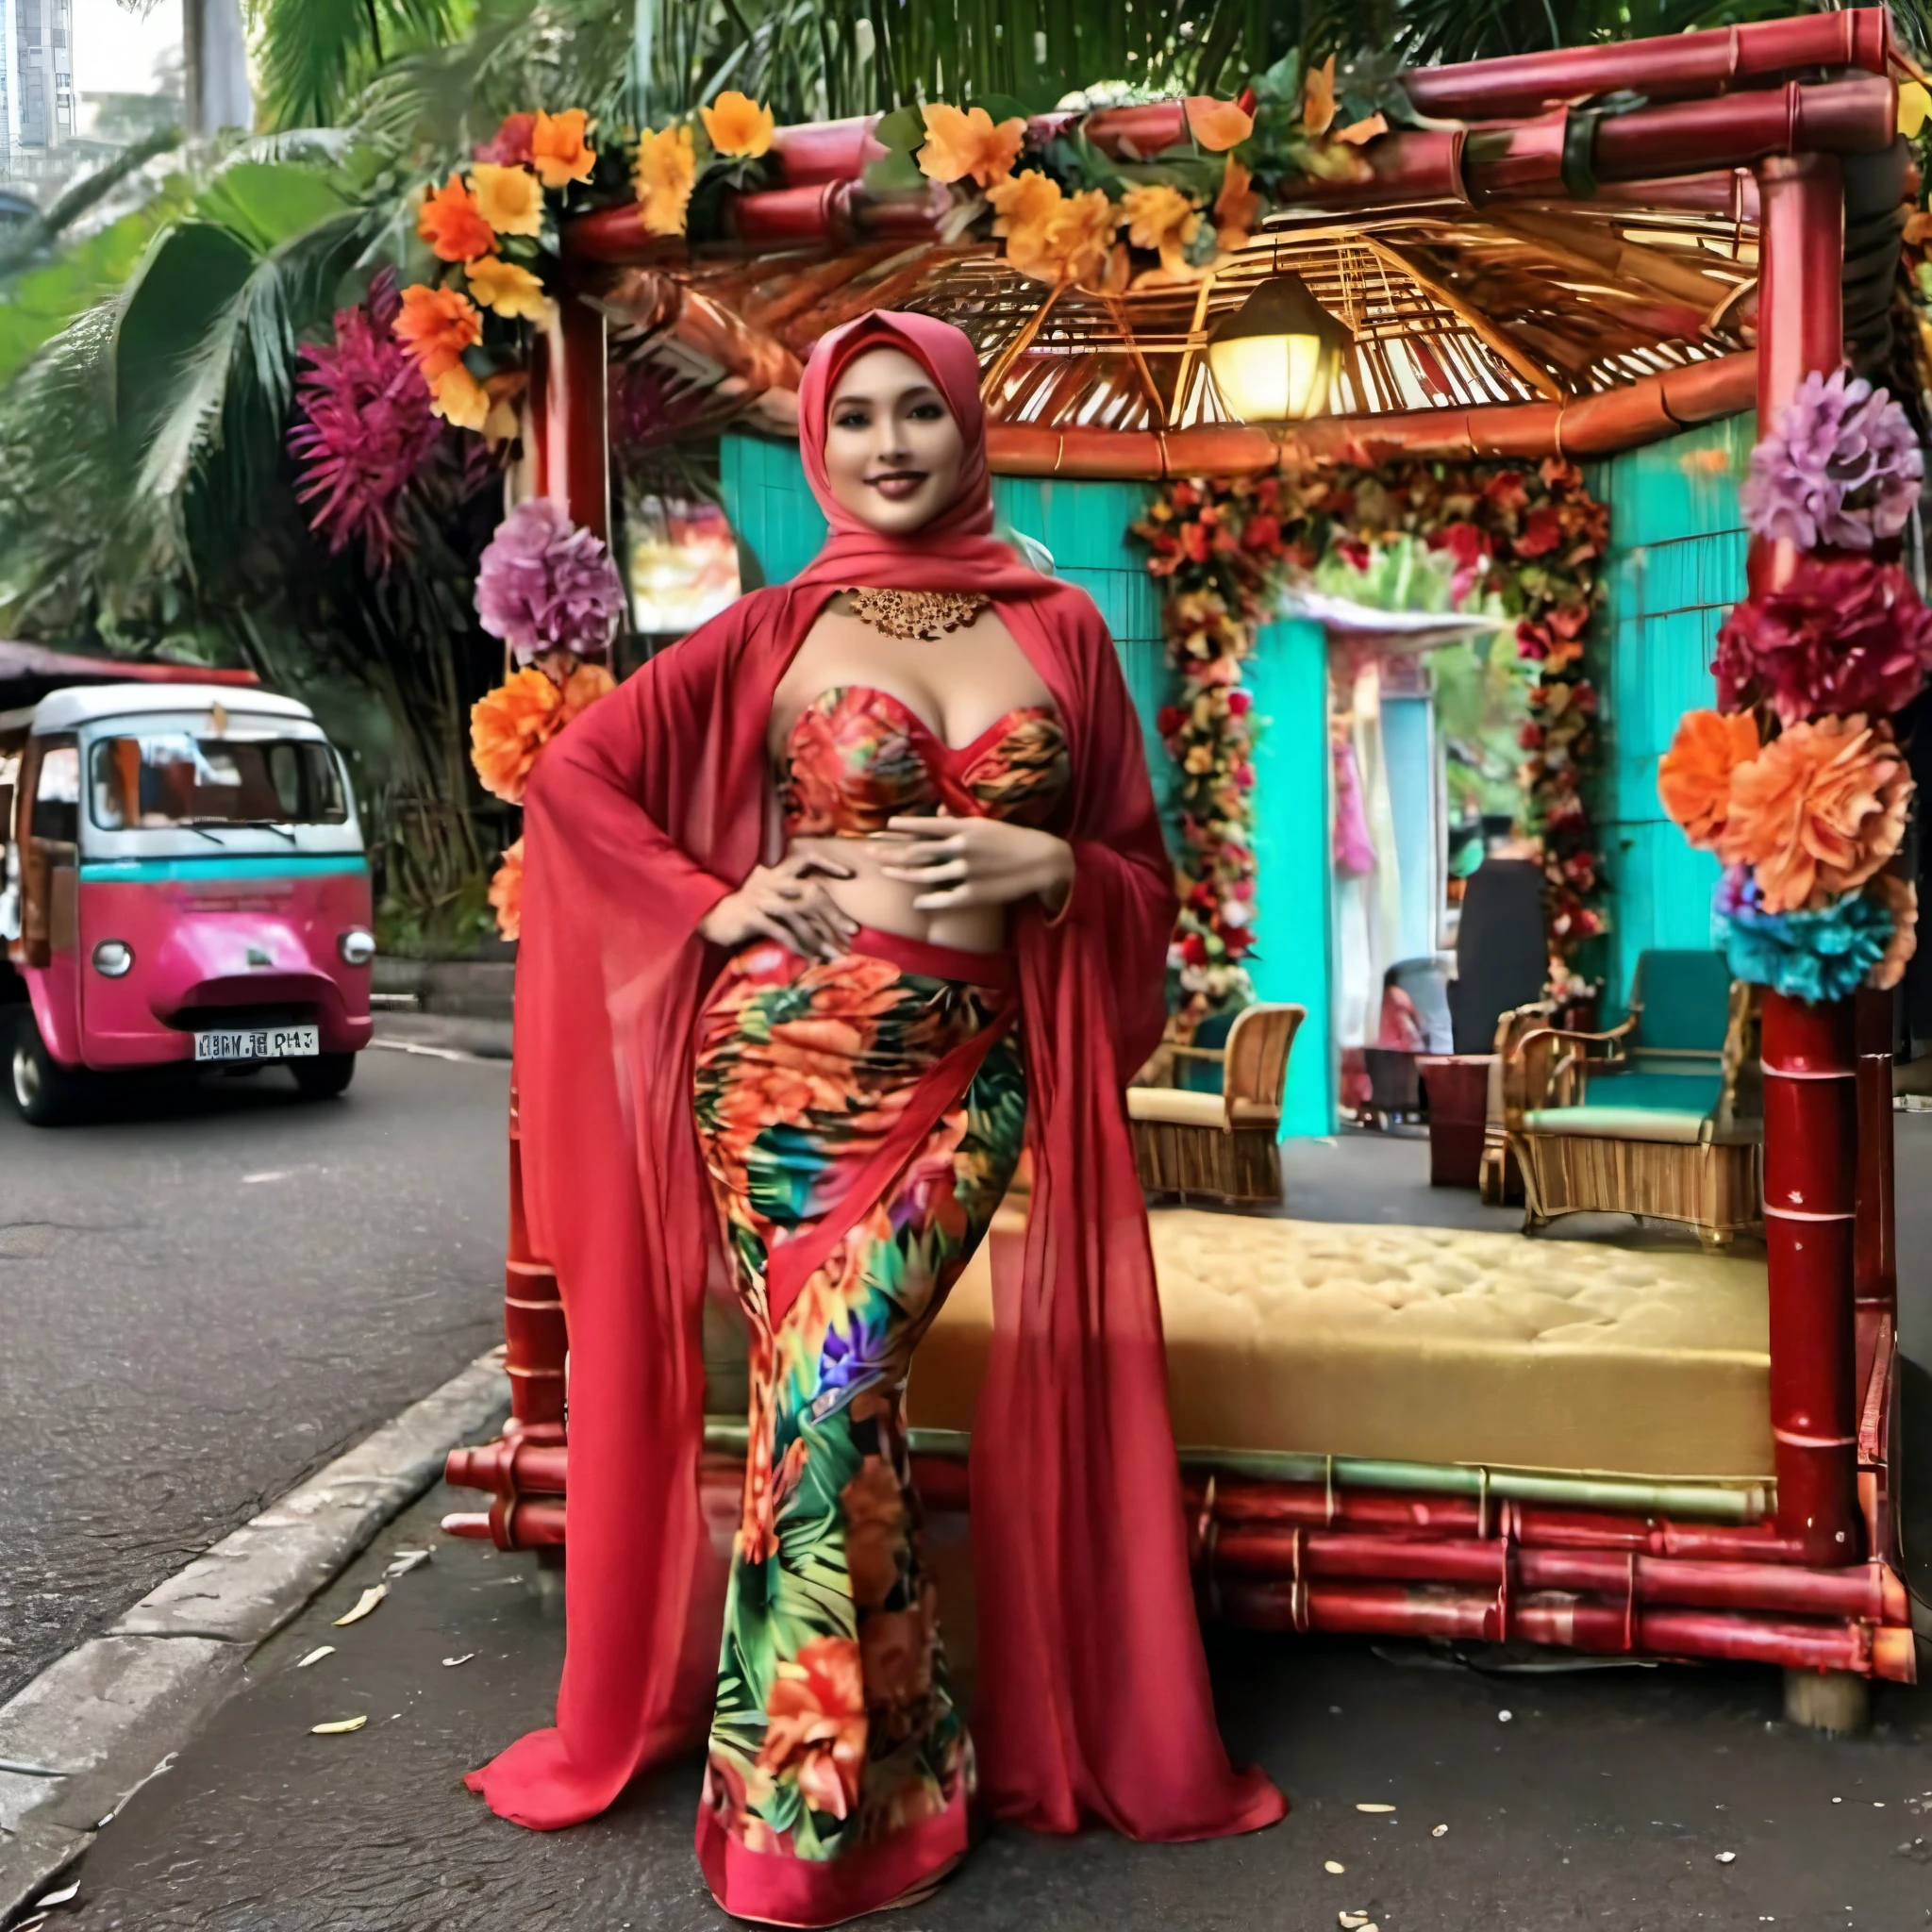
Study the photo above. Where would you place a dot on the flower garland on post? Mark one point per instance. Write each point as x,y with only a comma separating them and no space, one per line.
550,591
1227,547
1796,781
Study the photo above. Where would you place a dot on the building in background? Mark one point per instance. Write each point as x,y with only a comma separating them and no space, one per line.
38,117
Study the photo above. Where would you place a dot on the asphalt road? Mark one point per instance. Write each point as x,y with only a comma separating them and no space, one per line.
203,1301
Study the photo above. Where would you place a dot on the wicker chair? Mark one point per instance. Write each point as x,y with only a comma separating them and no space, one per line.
1662,1116
1218,1144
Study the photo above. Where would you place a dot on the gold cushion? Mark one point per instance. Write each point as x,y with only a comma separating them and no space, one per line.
1177,1107
1430,1345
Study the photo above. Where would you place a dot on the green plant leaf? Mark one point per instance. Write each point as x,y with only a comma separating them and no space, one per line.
902,130
264,203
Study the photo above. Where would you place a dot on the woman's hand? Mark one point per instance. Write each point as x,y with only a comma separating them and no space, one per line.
958,864
784,902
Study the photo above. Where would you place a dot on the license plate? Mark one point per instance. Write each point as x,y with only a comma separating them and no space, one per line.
258,1043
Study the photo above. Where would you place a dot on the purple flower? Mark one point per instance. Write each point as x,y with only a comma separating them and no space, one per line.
1841,468
364,429
545,584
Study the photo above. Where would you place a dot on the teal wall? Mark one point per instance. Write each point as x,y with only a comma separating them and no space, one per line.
1288,675
1676,566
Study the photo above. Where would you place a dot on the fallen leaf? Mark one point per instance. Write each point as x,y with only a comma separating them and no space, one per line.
1503,1717
336,1729
1725,1857
66,1897
405,1560
1441,1831
364,1603
449,1663
316,1656
1351,1922
1330,1865
1375,1807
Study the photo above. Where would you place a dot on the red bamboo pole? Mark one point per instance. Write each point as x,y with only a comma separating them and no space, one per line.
1868,1590
1367,1608
1809,1200
1666,67
568,394
1810,1121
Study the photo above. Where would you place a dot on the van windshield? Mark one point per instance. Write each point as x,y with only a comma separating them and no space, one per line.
172,778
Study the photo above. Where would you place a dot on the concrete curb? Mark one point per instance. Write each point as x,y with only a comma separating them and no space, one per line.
96,1723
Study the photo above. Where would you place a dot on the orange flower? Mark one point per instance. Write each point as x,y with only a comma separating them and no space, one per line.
1080,236
662,177
510,199
1218,126
1318,98
1025,205
558,151
450,223
1818,811
584,687
1161,218
959,144
459,398
876,1527
505,288
738,126
1901,895
435,325
1693,777
506,892
1366,129
509,727
1236,206
816,1724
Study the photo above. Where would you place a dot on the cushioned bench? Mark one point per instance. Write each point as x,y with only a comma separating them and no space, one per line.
1430,1345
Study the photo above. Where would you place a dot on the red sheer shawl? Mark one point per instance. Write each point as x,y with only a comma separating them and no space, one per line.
1093,1698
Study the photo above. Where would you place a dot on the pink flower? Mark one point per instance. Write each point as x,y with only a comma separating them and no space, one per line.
545,584
1841,467
510,145
364,429
1843,635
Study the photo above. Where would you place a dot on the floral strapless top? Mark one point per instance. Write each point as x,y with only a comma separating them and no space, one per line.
858,755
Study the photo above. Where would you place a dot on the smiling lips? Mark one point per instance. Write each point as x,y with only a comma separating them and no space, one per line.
895,486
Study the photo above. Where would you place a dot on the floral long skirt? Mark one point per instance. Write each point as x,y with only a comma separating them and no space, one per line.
840,1772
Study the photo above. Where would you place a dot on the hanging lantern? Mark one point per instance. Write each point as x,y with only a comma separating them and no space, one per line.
1274,358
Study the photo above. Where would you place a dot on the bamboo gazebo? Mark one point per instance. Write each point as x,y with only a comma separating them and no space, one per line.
1546,271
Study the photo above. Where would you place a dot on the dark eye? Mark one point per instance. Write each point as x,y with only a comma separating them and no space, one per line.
927,412
852,419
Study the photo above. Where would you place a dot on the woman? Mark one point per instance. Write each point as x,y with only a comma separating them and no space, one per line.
802,1025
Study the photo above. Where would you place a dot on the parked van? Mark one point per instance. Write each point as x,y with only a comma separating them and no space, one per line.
184,881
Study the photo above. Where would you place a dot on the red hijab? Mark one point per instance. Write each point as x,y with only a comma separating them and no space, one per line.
1092,1702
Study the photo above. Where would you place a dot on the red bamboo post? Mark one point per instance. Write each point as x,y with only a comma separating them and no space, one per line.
1810,1117
1810,1139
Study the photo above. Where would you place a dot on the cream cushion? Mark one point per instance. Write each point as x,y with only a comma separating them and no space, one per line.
1175,1107
1430,1345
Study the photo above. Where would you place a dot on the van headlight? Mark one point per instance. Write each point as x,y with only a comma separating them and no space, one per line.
113,959
356,946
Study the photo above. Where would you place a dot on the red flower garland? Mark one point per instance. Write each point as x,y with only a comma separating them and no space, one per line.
1226,546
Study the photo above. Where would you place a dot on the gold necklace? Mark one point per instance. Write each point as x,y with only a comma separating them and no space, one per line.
924,615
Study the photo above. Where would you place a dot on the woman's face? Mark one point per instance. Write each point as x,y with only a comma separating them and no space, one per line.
892,450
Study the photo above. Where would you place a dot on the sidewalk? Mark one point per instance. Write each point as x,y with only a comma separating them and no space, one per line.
1594,1798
